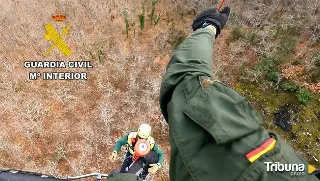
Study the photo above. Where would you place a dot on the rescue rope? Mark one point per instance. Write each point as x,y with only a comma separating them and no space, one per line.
223,1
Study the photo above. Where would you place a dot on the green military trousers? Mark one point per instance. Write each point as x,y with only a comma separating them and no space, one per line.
213,128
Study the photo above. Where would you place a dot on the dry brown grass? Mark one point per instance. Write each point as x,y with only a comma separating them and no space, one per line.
69,127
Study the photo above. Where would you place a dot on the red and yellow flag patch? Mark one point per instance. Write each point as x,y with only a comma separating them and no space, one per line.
264,148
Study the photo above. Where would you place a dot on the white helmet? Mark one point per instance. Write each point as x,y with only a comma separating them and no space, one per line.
144,131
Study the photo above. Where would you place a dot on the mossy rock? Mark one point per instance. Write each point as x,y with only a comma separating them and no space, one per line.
285,116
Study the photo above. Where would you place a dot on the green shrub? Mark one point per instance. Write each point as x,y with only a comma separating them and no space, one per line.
236,34
278,32
281,58
91,54
142,17
289,87
100,55
253,38
125,14
274,76
265,65
154,20
290,30
157,20
304,96
287,44
293,30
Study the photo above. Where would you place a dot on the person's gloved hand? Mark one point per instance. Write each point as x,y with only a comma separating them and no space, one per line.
212,17
153,169
114,156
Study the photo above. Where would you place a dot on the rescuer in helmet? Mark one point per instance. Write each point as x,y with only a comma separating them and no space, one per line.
131,139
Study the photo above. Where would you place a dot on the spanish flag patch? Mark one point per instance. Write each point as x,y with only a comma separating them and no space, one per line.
264,148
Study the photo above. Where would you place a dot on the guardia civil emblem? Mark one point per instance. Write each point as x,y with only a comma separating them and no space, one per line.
55,38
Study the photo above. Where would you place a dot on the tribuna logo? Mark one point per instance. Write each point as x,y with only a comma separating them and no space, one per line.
293,169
